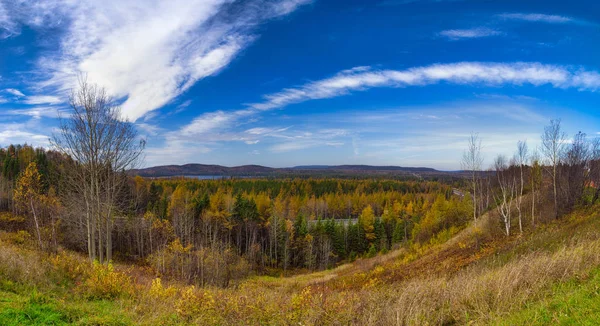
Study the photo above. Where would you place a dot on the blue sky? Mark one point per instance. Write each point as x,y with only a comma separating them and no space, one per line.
294,82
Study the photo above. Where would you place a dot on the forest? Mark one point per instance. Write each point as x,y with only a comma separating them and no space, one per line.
212,231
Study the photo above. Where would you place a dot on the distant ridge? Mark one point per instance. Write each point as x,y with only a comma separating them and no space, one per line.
201,169
364,168
258,170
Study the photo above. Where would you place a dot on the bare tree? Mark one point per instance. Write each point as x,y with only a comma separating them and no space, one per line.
536,180
553,141
507,187
472,161
577,157
521,159
103,145
595,168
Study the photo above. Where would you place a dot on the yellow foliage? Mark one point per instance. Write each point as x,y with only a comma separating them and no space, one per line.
301,303
367,220
158,291
19,238
104,282
177,247
194,304
7,217
71,265
28,185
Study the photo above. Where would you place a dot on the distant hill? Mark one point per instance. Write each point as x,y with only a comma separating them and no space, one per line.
201,169
364,168
258,170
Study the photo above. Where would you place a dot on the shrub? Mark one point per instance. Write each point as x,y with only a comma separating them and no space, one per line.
19,238
70,265
195,304
103,282
158,291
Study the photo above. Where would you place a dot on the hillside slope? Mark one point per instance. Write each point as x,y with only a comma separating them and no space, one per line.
475,276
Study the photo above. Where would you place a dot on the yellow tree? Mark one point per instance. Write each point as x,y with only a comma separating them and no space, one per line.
28,195
367,221
179,212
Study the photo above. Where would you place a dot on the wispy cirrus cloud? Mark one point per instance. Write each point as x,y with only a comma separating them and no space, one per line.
463,73
35,112
14,92
145,52
304,140
42,99
7,27
536,17
479,32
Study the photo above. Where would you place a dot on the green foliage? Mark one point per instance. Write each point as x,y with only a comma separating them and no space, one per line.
33,313
576,302
372,251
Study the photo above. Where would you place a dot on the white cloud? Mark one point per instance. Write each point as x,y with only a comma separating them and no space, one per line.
148,129
534,17
42,99
265,131
14,92
183,106
146,52
7,26
471,73
457,34
22,137
207,122
309,139
31,132
35,112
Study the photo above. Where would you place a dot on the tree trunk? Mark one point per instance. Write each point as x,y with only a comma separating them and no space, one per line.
37,225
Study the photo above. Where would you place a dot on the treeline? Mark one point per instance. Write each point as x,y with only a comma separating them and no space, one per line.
539,184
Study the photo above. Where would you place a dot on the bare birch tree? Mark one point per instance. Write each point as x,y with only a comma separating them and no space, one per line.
553,141
521,160
507,188
471,162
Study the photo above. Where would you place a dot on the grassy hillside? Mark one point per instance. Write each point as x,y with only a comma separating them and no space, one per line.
546,276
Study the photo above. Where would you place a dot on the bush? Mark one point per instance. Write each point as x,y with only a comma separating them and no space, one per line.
158,291
71,265
194,304
103,282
